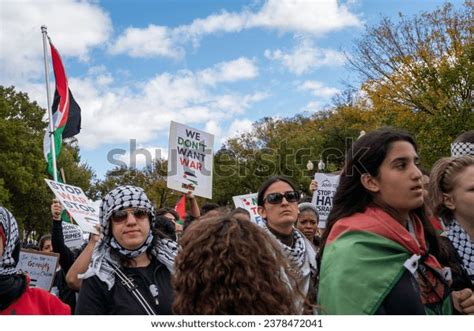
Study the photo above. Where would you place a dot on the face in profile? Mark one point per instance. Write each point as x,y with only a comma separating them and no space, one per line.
399,182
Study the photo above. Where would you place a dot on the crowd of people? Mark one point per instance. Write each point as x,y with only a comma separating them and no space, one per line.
398,240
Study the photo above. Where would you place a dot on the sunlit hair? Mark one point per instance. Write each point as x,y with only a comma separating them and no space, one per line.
216,212
230,266
443,180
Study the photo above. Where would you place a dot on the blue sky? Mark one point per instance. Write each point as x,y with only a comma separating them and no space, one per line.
134,66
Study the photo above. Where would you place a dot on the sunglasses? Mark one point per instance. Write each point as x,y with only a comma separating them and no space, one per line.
276,198
119,216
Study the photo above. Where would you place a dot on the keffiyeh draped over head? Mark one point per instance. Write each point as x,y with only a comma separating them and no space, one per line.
462,148
103,264
11,249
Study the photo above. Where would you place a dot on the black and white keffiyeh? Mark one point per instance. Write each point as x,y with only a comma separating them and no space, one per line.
464,246
11,251
103,264
301,256
461,149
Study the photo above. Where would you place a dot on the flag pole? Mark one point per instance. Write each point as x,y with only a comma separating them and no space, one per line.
48,96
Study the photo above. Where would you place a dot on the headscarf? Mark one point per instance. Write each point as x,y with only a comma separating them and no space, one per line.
11,249
103,263
464,245
462,148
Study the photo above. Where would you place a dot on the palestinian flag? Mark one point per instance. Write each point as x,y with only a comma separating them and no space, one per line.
180,207
365,257
66,112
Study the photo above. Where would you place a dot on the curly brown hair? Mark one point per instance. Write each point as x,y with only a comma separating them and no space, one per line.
231,266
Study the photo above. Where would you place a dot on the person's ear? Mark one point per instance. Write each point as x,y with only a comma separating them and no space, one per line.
370,183
261,210
449,201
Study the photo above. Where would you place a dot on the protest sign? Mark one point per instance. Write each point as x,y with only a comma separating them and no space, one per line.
190,160
322,197
73,237
40,266
249,203
77,204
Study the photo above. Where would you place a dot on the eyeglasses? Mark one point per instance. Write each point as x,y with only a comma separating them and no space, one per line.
118,216
276,198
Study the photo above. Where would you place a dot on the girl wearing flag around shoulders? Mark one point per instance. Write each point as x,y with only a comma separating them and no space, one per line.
379,251
130,272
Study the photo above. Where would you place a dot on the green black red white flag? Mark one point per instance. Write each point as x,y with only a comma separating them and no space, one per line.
65,113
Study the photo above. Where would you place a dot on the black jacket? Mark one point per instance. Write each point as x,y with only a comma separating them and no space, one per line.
96,299
66,259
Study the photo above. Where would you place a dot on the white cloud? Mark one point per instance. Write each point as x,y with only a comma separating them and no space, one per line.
242,68
236,128
313,106
142,156
318,89
151,41
74,26
213,127
306,57
117,114
315,17
296,16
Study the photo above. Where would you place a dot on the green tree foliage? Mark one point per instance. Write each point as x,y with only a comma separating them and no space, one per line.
419,73
22,164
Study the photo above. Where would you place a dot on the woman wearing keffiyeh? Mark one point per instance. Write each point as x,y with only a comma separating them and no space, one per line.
128,246
452,199
16,296
278,205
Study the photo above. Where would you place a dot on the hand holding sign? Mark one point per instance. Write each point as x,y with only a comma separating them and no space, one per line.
76,203
56,210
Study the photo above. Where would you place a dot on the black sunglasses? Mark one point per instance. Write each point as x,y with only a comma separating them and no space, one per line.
119,216
276,198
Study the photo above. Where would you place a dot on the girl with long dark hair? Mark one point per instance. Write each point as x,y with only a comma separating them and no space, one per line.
379,251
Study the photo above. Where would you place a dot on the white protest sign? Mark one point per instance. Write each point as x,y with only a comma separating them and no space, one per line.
190,160
40,266
249,203
77,204
322,197
73,237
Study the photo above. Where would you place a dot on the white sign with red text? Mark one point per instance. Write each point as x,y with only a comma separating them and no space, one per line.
190,159
77,204
249,203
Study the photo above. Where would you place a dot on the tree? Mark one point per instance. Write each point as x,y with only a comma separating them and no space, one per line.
22,164
152,179
419,74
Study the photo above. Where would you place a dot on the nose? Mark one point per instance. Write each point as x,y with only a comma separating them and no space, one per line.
417,174
284,201
131,218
